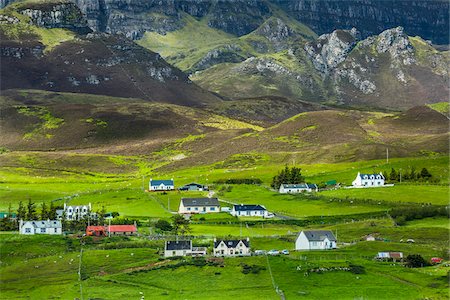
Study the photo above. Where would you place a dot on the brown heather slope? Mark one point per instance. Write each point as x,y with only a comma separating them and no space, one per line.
338,135
38,120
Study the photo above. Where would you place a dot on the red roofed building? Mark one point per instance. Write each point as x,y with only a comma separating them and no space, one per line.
122,229
96,231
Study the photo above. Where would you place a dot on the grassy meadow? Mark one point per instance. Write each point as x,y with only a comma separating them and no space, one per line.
46,267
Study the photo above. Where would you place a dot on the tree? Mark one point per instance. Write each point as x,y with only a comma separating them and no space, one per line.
416,261
425,174
393,176
44,212
52,211
163,225
180,224
31,211
21,212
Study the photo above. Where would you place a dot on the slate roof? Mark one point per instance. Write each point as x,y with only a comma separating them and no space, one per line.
231,243
299,186
45,224
362,176
159,182
178,245
122,228
247,207
319,235
200,202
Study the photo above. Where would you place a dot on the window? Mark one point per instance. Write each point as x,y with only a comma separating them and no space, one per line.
27,230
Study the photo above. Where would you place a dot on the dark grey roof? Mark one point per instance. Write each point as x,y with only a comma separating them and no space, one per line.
45,224
232,243
200,201
178,245
246,207
319,235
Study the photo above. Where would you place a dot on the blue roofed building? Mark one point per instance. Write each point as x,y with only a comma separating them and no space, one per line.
161,185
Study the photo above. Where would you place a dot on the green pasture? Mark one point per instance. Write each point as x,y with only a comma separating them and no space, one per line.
434,194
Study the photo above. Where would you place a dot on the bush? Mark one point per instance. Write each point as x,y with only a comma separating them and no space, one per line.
416,261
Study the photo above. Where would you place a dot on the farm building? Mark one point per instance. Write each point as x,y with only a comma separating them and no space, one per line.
40,227
161,185
368,180
232,247
193,187
315,240
96,231
72,212
395,256
177,248
199,205
121,230
298,188
249,210
4,215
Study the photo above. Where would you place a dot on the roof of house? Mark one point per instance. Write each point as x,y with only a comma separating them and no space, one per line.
122,228
231,243
159,182
194,184
299,186
200,201
371,176
178,245
45,224
318,235
247,207
95,228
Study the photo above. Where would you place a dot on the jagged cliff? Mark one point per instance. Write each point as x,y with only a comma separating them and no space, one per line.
428,19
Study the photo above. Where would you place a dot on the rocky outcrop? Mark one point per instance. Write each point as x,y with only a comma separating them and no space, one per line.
329,50
55,15
276,32
226,53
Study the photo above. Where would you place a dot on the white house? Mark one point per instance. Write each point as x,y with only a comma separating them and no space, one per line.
73,212
177,248
161,185
368,180
298,188
199,205
249,210
40,227
315,240
232,247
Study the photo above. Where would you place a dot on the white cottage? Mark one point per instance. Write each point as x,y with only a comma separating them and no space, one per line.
199,205
298,188
249,210
315,240
40,227
161,185
73,212
232,247
177,248
368,180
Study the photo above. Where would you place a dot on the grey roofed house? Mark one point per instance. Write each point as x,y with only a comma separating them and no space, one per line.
232,243
178,245
319,235
46,224
245,207
200,202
